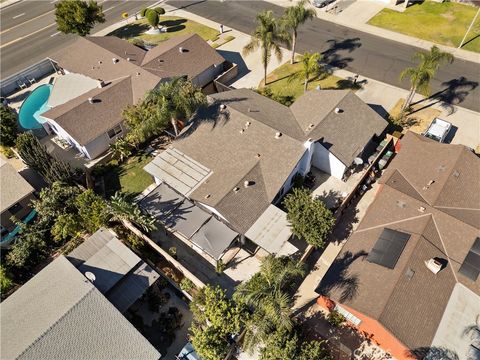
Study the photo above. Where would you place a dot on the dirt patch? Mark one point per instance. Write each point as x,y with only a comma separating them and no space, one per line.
418,119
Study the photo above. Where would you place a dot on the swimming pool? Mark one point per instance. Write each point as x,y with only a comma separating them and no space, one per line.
33,106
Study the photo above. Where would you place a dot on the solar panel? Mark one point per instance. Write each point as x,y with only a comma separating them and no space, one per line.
471,265
388,248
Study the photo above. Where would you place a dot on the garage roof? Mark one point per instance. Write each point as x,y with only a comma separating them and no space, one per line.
271,231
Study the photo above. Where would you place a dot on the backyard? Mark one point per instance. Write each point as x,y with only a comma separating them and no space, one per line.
175,26
127,177
279,83
443,23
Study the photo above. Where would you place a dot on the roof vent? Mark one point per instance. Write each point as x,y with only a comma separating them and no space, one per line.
247,183
258,155
401,204
180,49
236,189
456,174
421,209
114,60
338,111
207,196
311,126
90,276
278,135
138,74
441,168
90,100
242,131
223,106
100,62
430,182
247,124
100,84
128,59
409,273
434,265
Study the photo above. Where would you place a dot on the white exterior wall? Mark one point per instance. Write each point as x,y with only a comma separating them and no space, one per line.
324,160
208,75
57,129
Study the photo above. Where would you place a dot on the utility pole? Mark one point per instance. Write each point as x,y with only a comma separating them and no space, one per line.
469,28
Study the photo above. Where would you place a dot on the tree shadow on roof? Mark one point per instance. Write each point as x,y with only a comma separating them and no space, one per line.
432,353
338,277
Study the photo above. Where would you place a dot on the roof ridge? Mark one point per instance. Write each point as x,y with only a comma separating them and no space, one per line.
408,181
93,288
392,223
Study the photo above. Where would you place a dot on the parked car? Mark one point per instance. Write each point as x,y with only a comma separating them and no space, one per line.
438,130
322,3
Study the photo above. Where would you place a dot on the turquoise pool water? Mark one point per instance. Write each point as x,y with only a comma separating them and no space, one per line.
33,106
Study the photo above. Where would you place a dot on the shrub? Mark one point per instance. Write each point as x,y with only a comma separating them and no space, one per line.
8,126
335,318
221,266
173,251
186,284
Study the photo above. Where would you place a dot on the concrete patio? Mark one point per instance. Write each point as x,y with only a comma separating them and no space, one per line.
69,155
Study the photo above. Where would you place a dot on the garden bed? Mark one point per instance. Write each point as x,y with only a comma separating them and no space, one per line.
443,23
175,26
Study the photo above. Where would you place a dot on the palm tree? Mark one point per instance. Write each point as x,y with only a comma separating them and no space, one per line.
293,17
119,208
311,69
176,99
267,293
420,76
122,148
268,35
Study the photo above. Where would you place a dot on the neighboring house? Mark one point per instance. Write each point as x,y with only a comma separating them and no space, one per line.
240,155
61,314
103,75
409,275
15,197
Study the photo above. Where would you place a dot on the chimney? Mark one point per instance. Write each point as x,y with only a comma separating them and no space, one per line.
433,265
278,135
90,100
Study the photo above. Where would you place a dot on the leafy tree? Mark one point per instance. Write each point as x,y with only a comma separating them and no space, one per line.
267,36
420,76
313,350
309,218
78,16
215,320
311,69
8,126
56,200
153,15
267,293
281,344
37,157
293,17
29,247
121,148
119,208
177,99
5,282
92,210
66,226
141,123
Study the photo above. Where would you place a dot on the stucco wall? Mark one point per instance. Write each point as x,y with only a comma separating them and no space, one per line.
324,160
208,75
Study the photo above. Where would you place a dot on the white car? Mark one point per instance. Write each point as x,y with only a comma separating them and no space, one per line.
438,130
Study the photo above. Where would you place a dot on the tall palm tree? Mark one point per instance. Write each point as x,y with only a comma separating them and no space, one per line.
176,99
420,76
293,17
311,69
268,35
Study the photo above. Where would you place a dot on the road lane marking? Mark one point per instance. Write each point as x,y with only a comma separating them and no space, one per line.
23,37
58,32
17,16
54,1
26,21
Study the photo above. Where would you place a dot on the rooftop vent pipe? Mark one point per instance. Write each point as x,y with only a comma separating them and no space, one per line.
421,209
278,135
90,100
100,83
338,110
247,183
114,60
180,49
223,106
236,189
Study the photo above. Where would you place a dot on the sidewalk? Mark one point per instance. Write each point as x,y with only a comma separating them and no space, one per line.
356,15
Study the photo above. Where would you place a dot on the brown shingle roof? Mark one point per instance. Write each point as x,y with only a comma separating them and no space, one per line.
411,308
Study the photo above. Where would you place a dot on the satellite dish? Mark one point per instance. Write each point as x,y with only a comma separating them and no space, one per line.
358,161
90,276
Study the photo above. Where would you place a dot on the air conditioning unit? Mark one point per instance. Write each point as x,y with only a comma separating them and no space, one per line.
434,265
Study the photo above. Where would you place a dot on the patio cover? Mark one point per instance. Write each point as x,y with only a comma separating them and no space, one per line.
187,219
214,238
161,201
178,170
271,231
68,87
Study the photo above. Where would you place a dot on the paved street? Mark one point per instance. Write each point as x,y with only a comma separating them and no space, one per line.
371,56
29,33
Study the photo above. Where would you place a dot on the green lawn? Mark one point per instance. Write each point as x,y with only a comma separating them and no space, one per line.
443,23
128,177
279,83
176,26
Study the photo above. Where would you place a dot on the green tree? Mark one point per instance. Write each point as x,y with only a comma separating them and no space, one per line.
311,69
267,36
293,17
119,208
6,282
54,201
78,16
153,15
281,344
309,218
314,350
37,157
29,247
92,210
215,319
66,226
267,293
121,148
421,75
8,126
174,100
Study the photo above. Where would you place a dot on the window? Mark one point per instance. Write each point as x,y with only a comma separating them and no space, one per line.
15,208
347,315
114,132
